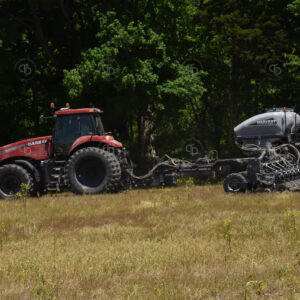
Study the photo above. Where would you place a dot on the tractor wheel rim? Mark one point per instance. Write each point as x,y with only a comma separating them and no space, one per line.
90,172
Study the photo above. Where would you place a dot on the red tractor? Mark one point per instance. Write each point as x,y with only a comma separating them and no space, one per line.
79,155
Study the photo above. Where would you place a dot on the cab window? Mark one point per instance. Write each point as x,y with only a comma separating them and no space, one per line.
69,128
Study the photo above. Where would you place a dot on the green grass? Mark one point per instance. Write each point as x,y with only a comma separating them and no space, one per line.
181,243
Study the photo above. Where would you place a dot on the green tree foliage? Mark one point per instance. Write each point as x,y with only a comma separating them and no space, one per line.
293,58
244,37
129,74
163,71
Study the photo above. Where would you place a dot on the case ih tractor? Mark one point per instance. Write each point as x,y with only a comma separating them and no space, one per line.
79,155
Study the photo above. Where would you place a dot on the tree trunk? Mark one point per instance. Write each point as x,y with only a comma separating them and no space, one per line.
146,136
142,136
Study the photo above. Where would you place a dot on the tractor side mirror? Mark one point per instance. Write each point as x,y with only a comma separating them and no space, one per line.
43,118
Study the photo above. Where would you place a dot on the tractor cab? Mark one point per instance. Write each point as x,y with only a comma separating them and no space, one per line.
77,128
72,124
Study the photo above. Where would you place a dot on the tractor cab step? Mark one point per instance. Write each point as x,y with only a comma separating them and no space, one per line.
57,173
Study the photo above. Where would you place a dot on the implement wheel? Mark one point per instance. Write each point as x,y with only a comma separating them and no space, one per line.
235,183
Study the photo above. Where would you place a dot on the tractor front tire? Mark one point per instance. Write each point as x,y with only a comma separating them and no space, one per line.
92,170
235,183
11,178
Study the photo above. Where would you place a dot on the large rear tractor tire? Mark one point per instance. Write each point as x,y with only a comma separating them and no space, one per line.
11,178
92,170
235,183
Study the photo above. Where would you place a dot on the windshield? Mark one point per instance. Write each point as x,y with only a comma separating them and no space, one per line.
71,127
99,125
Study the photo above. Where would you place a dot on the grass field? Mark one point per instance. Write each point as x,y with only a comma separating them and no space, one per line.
182,243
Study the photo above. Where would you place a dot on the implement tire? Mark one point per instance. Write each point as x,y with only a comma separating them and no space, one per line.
92,170
11,178
235,183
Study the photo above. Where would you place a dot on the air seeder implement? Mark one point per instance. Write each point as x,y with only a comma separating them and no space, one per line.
83,158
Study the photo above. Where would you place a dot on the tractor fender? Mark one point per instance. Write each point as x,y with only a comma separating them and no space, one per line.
105,139
29,165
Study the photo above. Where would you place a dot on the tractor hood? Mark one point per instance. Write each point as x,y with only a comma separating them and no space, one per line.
36,148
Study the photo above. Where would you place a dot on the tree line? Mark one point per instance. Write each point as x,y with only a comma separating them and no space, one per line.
164,72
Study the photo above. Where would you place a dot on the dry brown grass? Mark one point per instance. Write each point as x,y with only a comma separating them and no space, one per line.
181,243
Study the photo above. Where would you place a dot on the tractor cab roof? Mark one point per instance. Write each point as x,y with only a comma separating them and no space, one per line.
68,111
